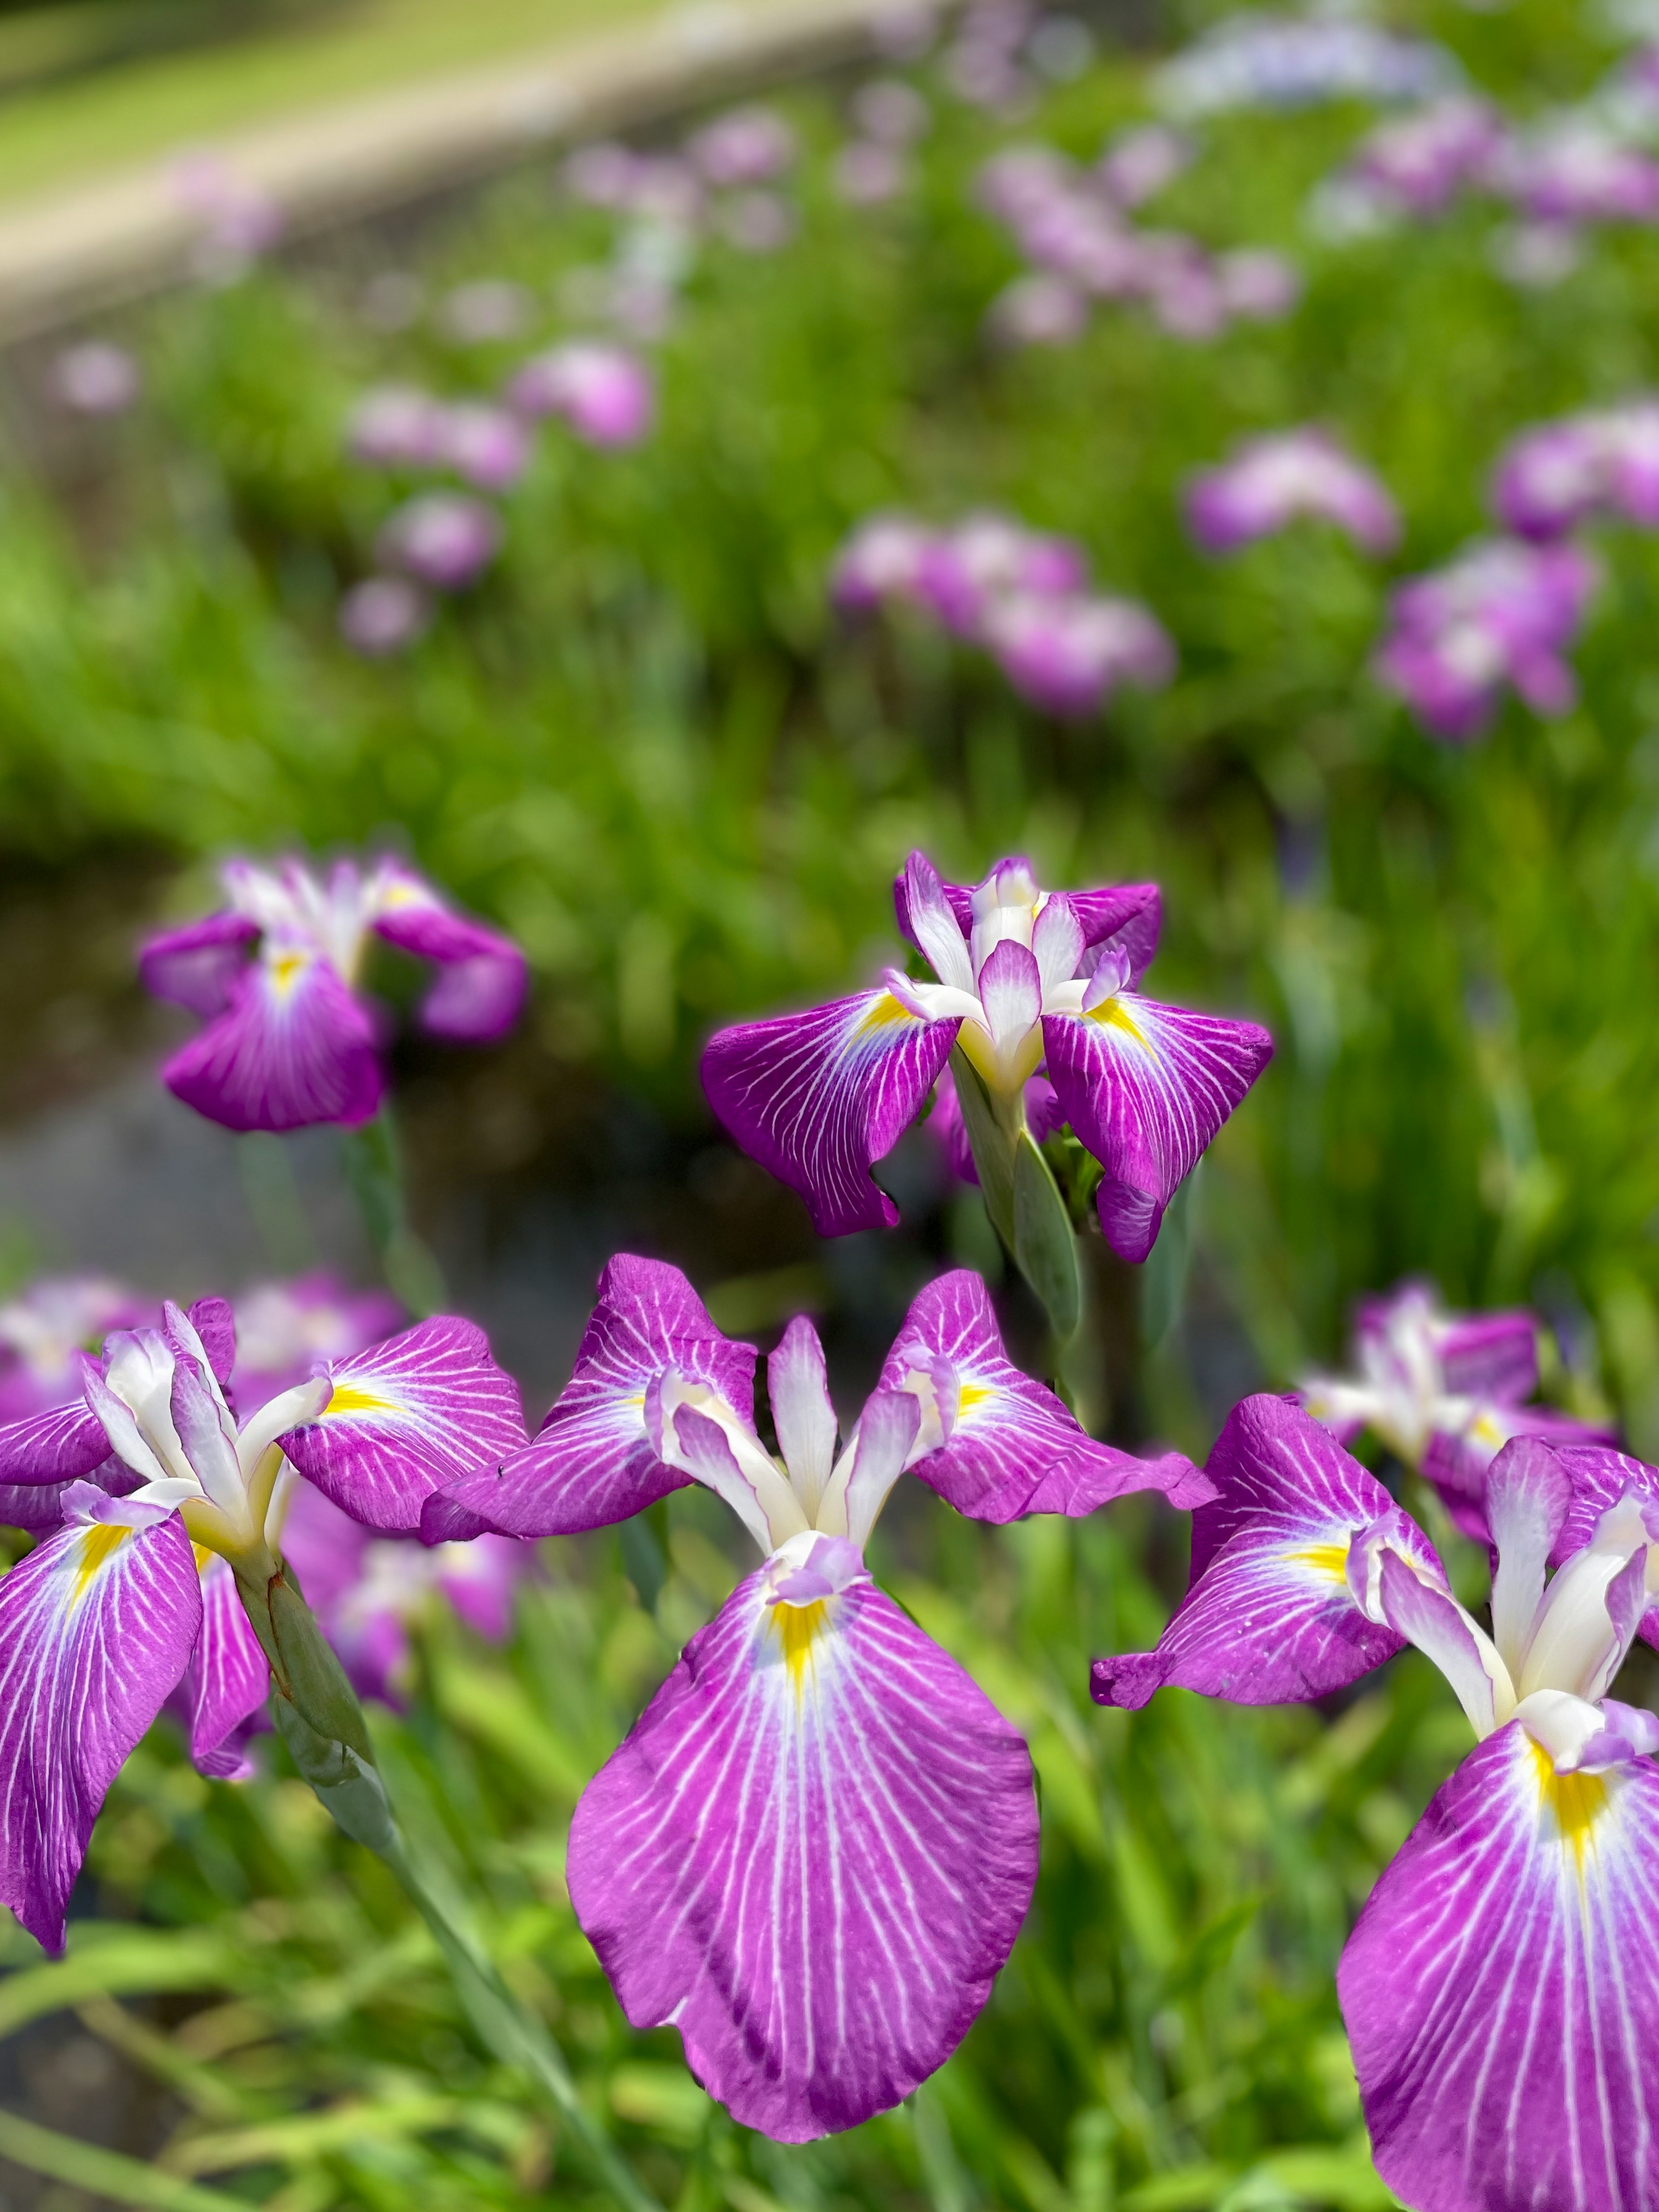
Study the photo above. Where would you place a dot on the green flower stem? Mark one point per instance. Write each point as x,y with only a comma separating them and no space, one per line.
372,1159
1023,1201
319,1719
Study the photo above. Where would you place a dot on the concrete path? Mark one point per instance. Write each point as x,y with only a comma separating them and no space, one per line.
78,252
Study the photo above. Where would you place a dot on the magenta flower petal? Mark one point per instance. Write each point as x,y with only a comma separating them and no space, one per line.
96,1626
1011,1447
1145,1088
480,989
295,1049
1268,1618
1501,1990
63,1444
228,1678
593,1462
407,1416
818,1099
200,965
811,1855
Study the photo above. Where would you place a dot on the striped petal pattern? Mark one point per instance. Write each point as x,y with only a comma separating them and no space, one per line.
293,1047
1268,1617
819,1098
407,1416
592,1463
60,1445
1009,1447
1145,1088
96,1626
811,1856
1501,1990
228,1676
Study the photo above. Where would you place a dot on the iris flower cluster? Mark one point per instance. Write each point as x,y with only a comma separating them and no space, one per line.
1270,482
1021,594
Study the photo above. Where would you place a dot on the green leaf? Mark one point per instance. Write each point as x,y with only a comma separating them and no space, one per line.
1164,1276
1045,1244
990,1143
105,2173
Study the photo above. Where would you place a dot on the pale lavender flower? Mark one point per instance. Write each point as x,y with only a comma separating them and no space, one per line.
602,175
1503,1980
486,445
96,378
1501,613
745,146
283,1328
394,426
881,559
889,113
442,538
291,1039
1139,163
383,614
1280,62
1257,284
987,556
1021,180
806,2004
605,393
1577,172
237,219
114,1611
1270,482
1418,164
1040,309
1028,983
865,172
1601,462
904,30
1067,653
487,310
756,221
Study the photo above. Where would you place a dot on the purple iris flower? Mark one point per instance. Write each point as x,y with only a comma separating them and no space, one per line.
290,1039
1446,1392
283,1329
44,1331
603,392
1604,462
486,445
888,112
443,539
965,569
395,425
1139,163
1027,981
1501,1989
381,615
111,1613
1577,172
1068,652
745,146
1272,481
1501,612
1417,164
866,172
1285,62
1039,309
881,559
814,1851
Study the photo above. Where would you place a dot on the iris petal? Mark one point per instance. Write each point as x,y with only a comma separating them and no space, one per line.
293,1047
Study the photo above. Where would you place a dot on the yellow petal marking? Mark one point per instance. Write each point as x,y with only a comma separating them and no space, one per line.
796,1626
103,1538
1327,1560
1115,1015
974,1394
1576,1801
887,1013
348,1399
286,970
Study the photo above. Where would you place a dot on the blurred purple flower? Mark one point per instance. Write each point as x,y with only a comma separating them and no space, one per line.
1600,463
394,426
605,393
383,614
1270,482
1577,172
1537,255
44,1330
442,538
486,445
1139,163
745,146
283,1328
1500,613
1068,653
1284,61
987,556
889,113
487,310
1040,309
96,378
238,220
756,221
1256,284
881,559
866,172
1417,164
602,175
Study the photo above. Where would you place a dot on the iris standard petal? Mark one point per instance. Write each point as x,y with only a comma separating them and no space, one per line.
407,1416
1501,1990
1600,1476
592,1463
1490,1356
925,918
479,991
199,966
797,1390
1145,1088
1268,1618
1529,1495
96,1626
228,1675
1007,1446
819,1098
293,1048
811,1856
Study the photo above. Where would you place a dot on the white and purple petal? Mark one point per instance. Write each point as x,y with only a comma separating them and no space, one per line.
200,965
63,1444
1001,1445
228,1676
479,991
1269,1617
1145,1087
593,1462
1501,1990
96,1626
818,1099
294,1048
811,1856
406,1418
